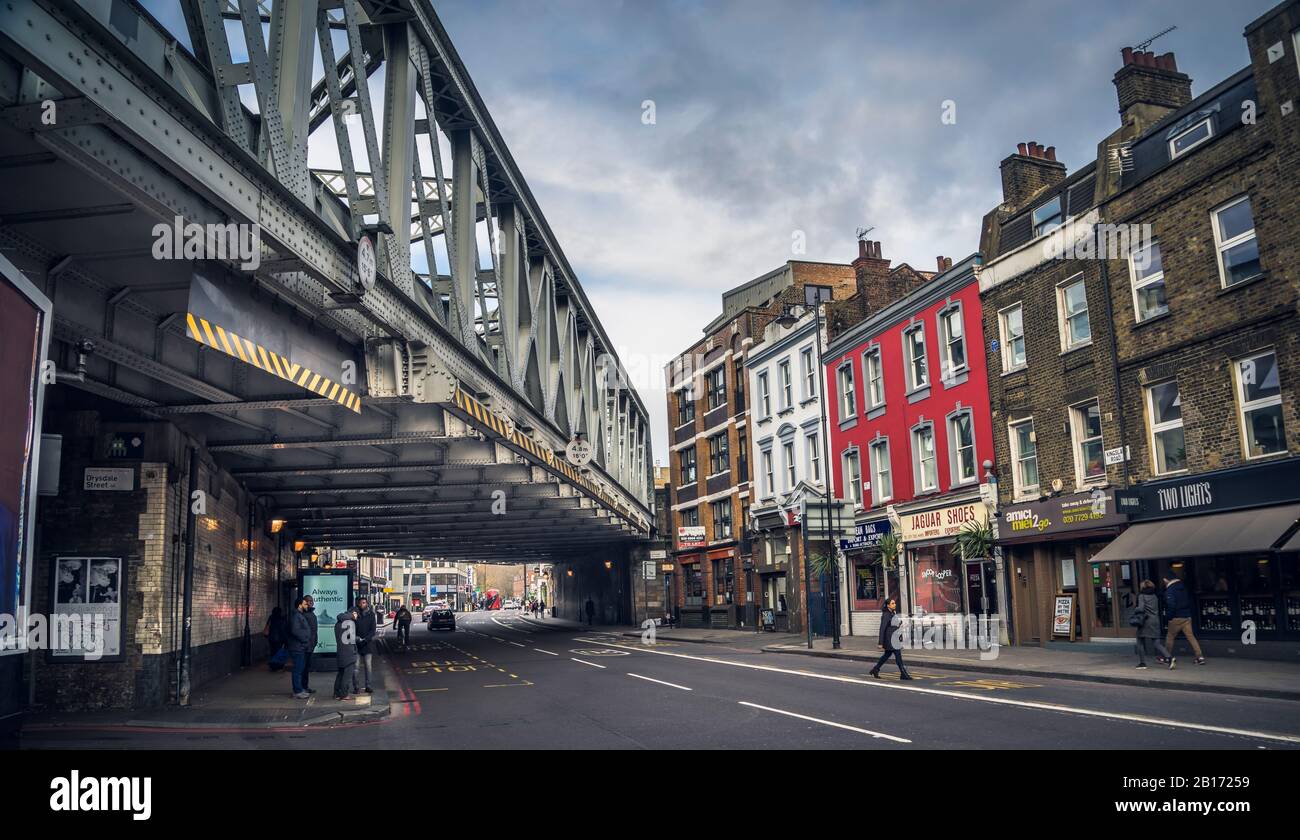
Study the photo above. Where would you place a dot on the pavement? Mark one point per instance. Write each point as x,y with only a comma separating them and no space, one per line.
253,698
503,680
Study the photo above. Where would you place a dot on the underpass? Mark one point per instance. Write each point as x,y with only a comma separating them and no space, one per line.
247,365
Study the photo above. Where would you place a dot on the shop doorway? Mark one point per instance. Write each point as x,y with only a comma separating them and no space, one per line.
1027,613
1114,597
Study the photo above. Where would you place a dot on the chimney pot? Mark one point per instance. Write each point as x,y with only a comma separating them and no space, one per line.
939,260
1050,153
1023,148
1127,52
862,248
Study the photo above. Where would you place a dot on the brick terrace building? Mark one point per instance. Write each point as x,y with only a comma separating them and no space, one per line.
1176,350
910,431
709,440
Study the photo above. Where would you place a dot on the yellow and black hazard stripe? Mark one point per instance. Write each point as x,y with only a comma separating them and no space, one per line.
480,414
214,336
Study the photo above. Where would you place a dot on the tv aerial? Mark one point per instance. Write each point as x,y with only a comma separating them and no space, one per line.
1148,41
863,231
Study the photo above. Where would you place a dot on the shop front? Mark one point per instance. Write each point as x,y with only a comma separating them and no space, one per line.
776,547
939,580
1051,550
1233,537
871,584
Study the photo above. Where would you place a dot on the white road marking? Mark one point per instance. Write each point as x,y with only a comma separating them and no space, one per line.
827,722
1004,701
661,682
585,662
508,627
516,644
547,652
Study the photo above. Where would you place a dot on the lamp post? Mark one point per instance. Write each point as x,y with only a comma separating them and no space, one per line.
815,296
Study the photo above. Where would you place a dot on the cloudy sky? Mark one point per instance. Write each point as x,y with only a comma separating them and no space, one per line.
782,121
776,117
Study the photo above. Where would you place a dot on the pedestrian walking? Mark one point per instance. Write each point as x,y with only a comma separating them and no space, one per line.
310,614
345,649
1146,619
366,625
541,607
1178,604
299,637
591,611
403,622
890,622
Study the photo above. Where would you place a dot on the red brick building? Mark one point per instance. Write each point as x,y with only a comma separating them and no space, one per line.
910,432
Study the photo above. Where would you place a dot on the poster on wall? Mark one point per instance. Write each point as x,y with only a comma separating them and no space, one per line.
332,591
24,342
86,618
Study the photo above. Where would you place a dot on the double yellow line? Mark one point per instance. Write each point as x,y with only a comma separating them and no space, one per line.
212,335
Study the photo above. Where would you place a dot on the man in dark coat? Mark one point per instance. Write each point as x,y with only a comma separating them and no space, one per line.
298,642
366,624
591,611
402,621
890,623
345,647
310,614
1178,605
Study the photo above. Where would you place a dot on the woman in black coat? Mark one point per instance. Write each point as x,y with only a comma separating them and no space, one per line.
889,623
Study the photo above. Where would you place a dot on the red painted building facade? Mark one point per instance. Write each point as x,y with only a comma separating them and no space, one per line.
911,430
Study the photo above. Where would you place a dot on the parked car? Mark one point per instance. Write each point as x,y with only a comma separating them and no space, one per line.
441,620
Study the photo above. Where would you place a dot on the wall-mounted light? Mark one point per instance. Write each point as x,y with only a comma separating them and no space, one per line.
299,545
276,525
609,564
570,572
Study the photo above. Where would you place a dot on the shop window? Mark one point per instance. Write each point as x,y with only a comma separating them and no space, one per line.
1234,239
1147,272
924,459
866,581
936,579
1011,327
875,373
1089,449
1168,450
1024,449
953,341
918,374
848,400
693,584
1072,305
1259,397
882,477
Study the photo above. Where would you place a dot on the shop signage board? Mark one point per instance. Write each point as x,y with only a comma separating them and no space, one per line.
866,536
690,536
1063,616
1078,511
942,523
1257,485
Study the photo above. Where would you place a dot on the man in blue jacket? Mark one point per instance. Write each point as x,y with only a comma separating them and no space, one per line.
300,637
1178,605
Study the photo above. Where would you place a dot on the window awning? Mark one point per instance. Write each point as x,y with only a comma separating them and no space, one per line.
1235,532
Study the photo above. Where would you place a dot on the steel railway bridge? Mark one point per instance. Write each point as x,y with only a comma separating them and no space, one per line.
401,364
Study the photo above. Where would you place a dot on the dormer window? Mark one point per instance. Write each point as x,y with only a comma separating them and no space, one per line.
1048,217
1190,137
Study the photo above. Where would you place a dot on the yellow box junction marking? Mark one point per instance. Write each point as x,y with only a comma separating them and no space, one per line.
480,414
214,336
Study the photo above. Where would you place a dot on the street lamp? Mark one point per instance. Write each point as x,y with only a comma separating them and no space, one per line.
815,296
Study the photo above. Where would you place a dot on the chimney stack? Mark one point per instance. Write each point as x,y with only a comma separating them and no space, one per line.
1149,87
944,263
1028,172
